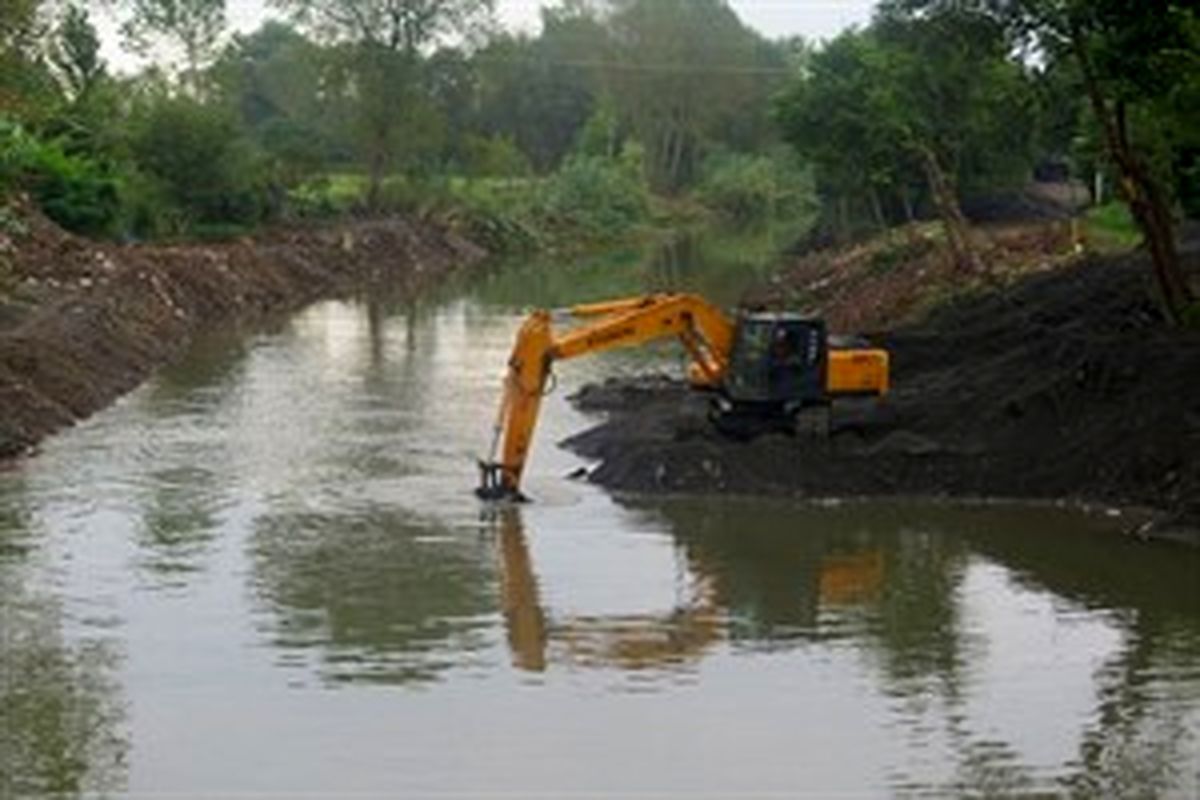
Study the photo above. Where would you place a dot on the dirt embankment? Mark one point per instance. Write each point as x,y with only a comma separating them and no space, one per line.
1064,384
81,323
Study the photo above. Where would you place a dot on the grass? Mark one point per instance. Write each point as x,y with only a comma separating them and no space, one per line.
1111,227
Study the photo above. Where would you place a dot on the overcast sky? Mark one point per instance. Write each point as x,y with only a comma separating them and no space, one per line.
812,19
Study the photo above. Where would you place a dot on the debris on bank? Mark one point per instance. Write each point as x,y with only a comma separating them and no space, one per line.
897,277
83,322
1065,385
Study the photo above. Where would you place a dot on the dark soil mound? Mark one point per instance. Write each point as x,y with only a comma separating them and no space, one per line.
91,321
1068,385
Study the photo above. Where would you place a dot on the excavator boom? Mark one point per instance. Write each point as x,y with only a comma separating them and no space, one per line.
704,330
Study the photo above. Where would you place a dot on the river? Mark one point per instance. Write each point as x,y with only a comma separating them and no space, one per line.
264,572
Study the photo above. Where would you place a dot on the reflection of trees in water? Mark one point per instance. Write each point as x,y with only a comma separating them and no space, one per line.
179,521
1138,743
791,578
377,595
771,567
715,262
60,717
16,520
380,310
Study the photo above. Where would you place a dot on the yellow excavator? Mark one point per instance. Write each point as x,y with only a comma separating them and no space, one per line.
762,368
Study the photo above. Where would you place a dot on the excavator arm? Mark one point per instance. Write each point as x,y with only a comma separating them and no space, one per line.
703,329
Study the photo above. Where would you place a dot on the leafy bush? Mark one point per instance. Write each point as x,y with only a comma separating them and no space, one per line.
76,192
1111,226
205,166
493,156
749,188
597,194
739,186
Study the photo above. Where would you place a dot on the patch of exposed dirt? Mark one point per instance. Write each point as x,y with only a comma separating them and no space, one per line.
896,278
81,322
1064,385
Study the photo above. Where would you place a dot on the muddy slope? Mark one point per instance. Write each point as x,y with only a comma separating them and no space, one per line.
82,323
1066,385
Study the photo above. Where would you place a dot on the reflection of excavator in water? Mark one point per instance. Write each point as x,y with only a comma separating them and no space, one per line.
763,368
669,638
631,641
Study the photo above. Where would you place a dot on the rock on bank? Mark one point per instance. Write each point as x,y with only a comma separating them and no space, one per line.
81,322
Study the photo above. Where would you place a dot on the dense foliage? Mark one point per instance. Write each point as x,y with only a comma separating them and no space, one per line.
77,192
339,105
230,130
913,113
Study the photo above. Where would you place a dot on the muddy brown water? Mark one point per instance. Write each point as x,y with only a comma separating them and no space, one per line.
263,572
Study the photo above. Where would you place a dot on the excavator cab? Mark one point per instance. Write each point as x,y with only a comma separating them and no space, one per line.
777,359
778,366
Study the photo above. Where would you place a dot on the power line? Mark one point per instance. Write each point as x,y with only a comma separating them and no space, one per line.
664,68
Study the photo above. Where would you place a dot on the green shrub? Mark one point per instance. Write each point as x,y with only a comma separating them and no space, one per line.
596,194
748,188
1111,226
204,164
740,186
1190,316
493,156
76,192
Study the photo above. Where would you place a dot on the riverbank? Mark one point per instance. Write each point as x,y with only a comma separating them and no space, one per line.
1061,383
82,322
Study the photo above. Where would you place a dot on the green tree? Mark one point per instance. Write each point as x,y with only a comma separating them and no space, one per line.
1132,58
193,27
381,45
75,54
451,82
935,95
206,168
676,66
829,114
273,79
541,90
959,105
27,90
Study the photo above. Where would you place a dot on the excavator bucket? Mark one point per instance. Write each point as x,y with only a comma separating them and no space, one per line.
494,485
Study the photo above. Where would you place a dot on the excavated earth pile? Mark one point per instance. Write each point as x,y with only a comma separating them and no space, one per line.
81,323
1066,385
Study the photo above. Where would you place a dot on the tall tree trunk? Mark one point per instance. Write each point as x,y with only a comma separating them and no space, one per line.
660,168
876,207
906,202
958,232
678,155
843,232
375,170
1141,191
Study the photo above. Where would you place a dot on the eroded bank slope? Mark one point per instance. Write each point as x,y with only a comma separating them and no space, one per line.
81,323
1066,384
